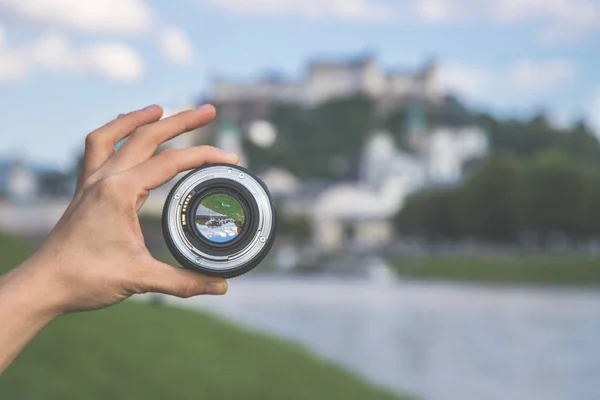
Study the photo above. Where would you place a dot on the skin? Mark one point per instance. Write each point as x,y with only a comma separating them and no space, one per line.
96,256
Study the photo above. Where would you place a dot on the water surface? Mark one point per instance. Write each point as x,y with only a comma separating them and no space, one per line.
438,341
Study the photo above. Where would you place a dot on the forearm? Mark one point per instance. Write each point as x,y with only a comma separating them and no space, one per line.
24,311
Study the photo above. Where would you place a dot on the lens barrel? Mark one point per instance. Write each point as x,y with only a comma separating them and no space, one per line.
219,220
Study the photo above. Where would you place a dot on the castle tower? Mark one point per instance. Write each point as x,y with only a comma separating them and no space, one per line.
419,134
430,81
416,125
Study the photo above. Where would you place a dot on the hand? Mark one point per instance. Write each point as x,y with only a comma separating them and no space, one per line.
96,256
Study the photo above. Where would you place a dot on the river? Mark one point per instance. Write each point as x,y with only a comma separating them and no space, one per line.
438,341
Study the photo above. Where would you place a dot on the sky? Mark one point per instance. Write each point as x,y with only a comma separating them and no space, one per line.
69,66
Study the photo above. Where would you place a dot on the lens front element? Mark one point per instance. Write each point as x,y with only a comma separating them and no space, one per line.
220,218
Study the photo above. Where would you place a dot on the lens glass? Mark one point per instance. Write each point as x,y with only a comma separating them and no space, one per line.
220,218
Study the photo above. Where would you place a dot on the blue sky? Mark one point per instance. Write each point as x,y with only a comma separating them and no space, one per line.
68,66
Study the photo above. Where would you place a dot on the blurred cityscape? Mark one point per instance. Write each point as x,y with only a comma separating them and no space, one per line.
366,161
427,242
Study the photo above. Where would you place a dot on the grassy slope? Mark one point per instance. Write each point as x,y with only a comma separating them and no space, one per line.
215,202
137,351
551,270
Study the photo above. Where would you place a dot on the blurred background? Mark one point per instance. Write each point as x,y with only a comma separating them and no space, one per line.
436,169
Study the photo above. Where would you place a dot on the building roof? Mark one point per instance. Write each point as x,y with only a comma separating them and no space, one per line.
350,62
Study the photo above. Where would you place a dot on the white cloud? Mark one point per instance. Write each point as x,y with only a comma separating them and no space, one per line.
522,84
52,51
434,11
176,47
117,61
13,66
100,16
353,10
2,36
466,80
560,20
113,60
540,76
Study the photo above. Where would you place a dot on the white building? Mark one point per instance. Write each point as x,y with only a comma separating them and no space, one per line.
361,214
325,80
447,149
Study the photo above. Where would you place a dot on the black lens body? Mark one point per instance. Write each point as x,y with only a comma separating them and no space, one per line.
180,228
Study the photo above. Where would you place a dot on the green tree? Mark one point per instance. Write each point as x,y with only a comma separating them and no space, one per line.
492,200
297,227
589,212
395,123
581,142
433,214
320,142
556,189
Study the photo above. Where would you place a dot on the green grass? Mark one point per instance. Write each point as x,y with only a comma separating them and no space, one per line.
139,351
12,252
218,202
539,269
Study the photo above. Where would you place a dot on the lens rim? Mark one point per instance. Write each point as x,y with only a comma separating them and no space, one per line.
248,257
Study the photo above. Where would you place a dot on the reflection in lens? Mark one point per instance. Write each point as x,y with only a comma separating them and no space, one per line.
220,218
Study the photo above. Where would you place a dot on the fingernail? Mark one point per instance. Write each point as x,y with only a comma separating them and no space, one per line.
232,156
206,107
216,287
150,107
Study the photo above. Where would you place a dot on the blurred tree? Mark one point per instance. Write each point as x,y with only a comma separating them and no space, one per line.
434,215
296,227
589,211
410,219
527,138
582,143
450,112
556,189
322,142
395,123
492,200
488,206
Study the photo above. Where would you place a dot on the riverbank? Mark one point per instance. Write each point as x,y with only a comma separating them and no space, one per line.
141,350
436,340
554,270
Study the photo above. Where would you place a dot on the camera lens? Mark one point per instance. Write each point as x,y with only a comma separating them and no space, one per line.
219,220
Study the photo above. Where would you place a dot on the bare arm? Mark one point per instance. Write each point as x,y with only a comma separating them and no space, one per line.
95,256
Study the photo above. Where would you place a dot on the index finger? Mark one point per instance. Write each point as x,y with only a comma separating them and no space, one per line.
165,166
143,143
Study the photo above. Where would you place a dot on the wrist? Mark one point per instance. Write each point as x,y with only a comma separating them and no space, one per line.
30,293
23,311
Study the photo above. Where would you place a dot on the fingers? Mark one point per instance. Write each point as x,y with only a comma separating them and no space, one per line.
100,144
144,142
166,165
163,278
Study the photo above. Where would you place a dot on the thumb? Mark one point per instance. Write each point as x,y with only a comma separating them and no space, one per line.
164,278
